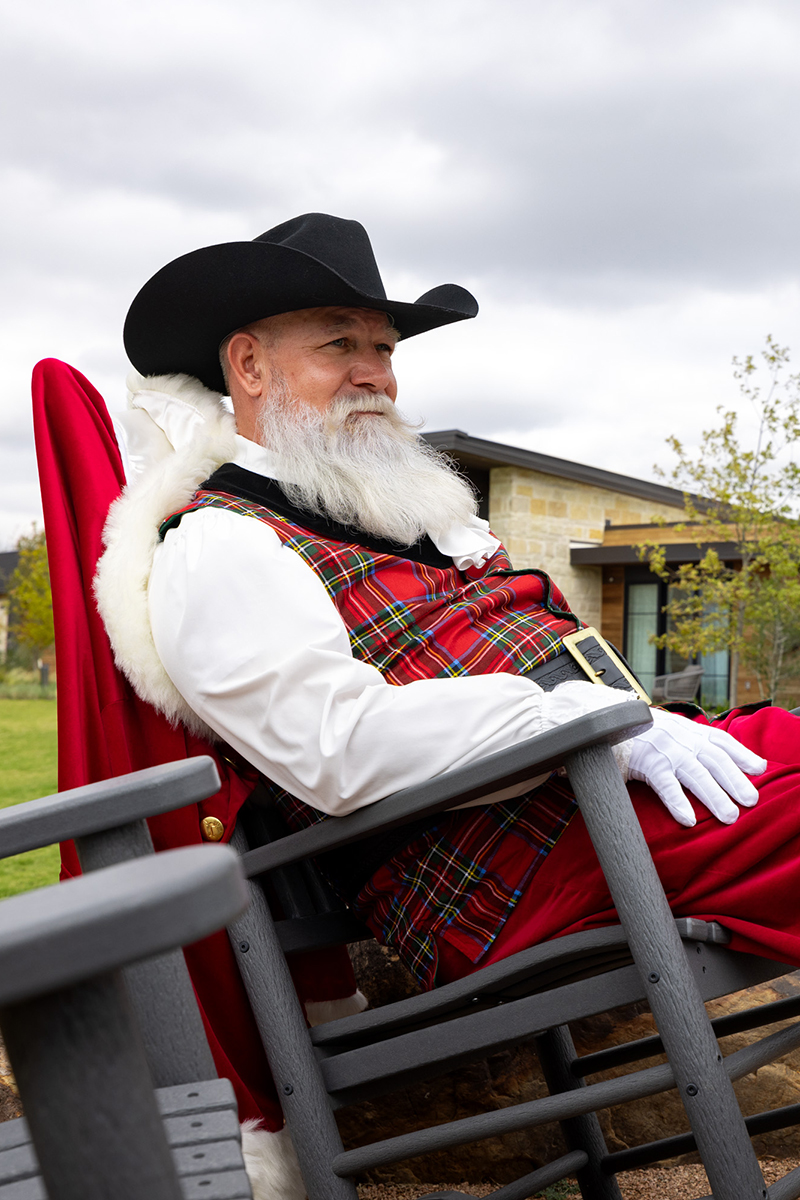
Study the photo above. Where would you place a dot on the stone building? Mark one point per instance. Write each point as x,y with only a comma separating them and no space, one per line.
581,525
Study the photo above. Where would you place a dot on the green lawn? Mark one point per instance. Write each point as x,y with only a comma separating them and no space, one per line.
28,768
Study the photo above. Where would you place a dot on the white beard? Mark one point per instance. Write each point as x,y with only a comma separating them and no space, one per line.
373,472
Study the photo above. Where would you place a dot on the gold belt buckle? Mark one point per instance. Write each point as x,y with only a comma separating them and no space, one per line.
597,659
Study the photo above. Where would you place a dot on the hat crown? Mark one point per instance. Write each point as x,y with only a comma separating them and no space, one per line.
342,246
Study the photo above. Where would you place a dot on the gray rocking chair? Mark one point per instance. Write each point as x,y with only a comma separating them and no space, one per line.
533,994
94,1127
678,685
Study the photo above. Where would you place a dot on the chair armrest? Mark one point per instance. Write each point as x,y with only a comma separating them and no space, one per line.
58,935
106,805
501,770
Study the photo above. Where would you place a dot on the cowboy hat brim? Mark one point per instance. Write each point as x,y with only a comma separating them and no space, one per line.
179,318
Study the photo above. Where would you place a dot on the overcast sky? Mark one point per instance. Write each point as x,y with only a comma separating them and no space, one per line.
617,182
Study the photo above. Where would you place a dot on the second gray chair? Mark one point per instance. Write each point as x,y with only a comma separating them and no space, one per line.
96,1126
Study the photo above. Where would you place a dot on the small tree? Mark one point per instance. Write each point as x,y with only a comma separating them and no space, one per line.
747,496
31,604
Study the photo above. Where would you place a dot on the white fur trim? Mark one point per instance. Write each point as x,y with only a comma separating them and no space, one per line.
131,538
319,1012
271,1164
182,387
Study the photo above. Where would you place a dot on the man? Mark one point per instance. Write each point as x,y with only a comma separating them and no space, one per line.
309,583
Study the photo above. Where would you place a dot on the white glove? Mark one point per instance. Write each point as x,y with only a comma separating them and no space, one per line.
708,761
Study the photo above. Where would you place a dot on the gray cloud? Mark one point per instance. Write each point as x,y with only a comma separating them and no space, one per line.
618,182
553,156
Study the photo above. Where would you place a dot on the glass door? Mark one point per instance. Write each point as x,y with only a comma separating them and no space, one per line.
641,624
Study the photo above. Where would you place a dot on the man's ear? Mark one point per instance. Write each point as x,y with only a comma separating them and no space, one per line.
246,367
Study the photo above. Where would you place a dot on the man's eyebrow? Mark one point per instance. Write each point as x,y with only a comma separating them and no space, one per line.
336,325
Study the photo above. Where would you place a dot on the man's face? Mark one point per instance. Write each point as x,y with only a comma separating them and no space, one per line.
324,353
319,389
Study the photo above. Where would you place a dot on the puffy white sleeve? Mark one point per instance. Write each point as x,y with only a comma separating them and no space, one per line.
251,639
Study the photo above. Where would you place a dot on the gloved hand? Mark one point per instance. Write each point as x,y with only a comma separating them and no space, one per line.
708,761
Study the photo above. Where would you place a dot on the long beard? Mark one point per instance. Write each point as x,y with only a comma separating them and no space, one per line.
371,472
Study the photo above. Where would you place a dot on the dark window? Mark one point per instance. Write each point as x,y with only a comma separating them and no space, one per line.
645,600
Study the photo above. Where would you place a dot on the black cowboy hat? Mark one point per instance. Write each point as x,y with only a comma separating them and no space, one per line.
180,317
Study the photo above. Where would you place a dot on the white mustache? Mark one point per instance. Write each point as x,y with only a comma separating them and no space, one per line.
360,402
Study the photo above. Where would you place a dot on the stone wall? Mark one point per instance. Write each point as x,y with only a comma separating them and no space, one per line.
539,517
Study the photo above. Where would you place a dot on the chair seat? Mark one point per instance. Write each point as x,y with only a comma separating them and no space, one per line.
202,1131
679,685
369,1054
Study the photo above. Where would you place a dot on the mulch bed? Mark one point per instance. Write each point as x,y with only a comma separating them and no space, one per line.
654,1183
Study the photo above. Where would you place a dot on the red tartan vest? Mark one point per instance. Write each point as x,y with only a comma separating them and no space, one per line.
413,620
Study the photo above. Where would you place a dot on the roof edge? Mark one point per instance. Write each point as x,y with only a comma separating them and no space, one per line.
484,453
674,552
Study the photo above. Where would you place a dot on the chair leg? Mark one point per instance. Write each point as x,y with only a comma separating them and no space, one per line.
160,989
88,1097
703,1085
556,1054
284,1032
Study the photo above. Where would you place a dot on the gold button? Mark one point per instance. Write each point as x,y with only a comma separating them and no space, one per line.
212,828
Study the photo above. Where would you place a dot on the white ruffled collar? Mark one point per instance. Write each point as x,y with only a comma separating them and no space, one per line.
177,406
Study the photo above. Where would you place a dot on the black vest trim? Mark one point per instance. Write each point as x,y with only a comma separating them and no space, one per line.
234,480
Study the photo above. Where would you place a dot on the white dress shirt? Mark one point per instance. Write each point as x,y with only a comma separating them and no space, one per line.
252,640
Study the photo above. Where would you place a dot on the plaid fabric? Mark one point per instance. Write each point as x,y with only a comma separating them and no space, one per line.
461,879
413,621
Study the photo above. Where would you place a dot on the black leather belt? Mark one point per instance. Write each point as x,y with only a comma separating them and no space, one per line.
587,655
